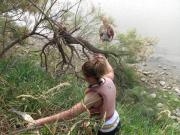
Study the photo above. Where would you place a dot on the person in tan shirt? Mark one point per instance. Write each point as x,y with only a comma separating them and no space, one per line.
106,31
99,97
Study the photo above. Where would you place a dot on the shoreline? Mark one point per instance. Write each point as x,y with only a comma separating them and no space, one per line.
161,64
159,73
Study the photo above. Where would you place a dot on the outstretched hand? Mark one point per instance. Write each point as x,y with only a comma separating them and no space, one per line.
31,125
30,122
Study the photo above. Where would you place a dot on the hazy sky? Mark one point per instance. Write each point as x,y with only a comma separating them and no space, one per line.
156,18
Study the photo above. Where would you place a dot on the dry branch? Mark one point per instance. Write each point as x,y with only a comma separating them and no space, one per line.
62,38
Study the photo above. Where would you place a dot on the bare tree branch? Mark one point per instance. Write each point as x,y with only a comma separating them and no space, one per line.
61,39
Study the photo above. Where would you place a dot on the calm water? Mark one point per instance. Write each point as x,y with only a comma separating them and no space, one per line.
153,18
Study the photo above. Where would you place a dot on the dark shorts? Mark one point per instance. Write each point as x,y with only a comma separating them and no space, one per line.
114,132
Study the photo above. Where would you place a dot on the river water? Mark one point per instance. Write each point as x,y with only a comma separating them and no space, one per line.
152,18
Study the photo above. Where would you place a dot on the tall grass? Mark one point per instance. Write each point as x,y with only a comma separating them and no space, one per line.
27,87
23,86
141,116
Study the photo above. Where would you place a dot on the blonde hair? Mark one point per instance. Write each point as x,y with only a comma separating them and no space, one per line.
94,68
105,20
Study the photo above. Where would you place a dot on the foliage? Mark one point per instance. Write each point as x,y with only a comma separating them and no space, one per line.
60,30
129,48
26,87
138,48
20,76
9,31
140,114
15,5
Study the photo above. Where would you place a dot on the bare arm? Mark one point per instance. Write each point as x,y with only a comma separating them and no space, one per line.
110,71
90,100
65,115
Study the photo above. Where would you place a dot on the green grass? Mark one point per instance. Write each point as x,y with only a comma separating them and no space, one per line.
138,111
23,85
140,114
22,77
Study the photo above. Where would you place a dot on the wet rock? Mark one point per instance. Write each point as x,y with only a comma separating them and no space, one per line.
151,75
143,79
169,87
159,66
164,68
146,73
144,64
177,90
163,73
153,82
162,83
177,112
156,71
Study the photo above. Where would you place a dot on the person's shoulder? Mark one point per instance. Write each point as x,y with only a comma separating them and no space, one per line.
108,79
109,76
